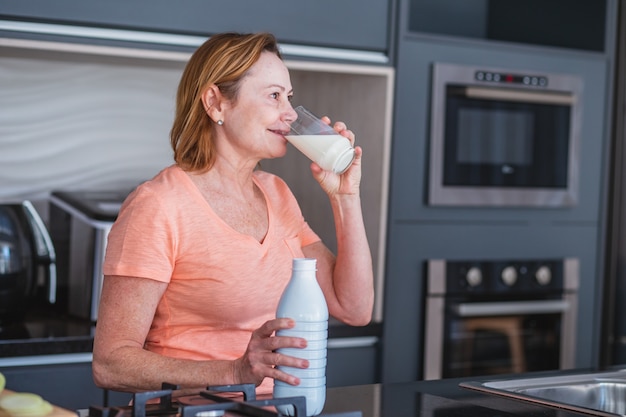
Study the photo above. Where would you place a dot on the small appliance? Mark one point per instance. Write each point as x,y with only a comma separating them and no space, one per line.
27,261
504,137
80,222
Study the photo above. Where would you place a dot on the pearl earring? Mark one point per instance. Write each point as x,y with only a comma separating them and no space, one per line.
220,122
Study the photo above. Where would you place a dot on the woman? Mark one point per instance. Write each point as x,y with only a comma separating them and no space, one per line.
199,255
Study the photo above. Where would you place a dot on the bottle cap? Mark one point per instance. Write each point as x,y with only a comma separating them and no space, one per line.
304,264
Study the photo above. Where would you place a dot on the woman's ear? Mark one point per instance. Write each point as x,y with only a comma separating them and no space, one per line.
212,102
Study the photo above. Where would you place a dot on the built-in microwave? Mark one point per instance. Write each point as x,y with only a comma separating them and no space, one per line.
502,137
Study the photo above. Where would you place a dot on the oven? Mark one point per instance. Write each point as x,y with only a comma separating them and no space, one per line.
502,137
495,317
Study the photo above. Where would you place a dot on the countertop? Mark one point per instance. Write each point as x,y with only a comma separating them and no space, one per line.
440,398
46,333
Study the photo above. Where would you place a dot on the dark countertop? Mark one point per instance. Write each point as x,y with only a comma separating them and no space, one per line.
46,333
440,398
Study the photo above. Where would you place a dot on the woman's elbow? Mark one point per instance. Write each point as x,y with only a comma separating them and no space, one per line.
358,318
102,375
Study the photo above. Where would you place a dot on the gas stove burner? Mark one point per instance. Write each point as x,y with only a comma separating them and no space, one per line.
211,402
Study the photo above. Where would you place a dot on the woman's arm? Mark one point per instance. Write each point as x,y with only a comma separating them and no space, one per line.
347,280
121,363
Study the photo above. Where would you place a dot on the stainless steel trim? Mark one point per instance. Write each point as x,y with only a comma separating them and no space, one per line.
569,325
97,224
436,276
46,359
101,237
352,342
433,340
571,274
46,242
507,308
441,195
507,94
182,40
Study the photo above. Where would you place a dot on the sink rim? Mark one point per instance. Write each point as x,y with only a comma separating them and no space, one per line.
509,388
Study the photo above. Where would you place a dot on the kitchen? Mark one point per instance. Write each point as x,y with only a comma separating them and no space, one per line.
414,231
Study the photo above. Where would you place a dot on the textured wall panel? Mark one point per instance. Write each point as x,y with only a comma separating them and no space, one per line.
72,121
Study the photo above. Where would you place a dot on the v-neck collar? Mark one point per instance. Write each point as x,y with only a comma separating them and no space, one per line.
198,194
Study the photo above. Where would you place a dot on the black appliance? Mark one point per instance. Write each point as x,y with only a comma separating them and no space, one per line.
27,262
502,137
492,317
80,222
215,401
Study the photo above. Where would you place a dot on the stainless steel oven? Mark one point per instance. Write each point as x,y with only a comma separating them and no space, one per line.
494,317
502,137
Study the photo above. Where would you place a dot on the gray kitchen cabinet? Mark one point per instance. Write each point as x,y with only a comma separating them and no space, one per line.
352,365
419,231
351,24
557,23
69,385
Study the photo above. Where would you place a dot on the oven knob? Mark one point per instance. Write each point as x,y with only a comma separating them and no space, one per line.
474,277
509,276
543,275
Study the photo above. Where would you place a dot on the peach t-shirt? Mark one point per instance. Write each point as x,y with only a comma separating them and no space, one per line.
222,284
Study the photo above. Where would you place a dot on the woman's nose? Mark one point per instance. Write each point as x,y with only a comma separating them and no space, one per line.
290,114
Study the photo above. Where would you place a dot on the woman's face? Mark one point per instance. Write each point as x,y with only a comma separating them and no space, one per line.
255,124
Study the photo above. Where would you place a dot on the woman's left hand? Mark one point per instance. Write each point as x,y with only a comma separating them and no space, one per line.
348,182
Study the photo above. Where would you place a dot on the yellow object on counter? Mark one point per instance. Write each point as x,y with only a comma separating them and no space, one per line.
25,404
18,404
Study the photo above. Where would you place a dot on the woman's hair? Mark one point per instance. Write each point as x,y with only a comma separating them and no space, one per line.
222,60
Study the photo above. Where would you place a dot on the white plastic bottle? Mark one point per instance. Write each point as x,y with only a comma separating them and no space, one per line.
304,302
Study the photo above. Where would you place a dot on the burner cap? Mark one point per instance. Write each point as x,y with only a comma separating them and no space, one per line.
211,413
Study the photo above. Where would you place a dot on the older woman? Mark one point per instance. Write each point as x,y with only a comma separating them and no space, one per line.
199,255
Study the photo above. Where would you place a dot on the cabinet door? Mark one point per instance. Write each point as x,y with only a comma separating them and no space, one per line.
68,386
356,365
353,24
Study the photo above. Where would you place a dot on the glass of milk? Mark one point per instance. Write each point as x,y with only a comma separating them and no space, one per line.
320,142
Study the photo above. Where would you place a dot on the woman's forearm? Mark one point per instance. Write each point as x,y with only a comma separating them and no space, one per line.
132,369
353,273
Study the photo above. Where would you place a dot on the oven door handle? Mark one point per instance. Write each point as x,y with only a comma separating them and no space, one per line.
510,308
542,97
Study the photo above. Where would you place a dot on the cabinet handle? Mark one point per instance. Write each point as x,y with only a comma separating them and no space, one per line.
511,307
352,342
541,97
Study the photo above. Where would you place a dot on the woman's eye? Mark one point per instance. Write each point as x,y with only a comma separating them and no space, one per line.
289,98
275,95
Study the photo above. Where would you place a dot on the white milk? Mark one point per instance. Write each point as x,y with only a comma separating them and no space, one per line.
330,152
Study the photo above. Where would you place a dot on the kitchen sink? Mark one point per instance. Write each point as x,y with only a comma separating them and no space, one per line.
599,394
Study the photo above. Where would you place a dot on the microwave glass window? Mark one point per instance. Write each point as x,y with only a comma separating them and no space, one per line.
495,136
505,143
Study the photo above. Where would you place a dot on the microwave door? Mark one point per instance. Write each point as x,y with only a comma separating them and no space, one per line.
503,138
506,140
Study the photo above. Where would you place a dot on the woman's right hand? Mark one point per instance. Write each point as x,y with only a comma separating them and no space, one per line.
260,360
